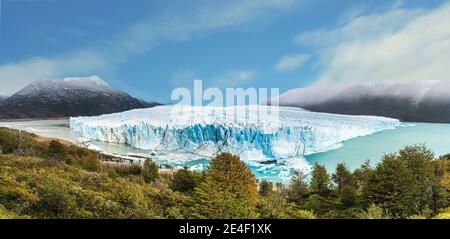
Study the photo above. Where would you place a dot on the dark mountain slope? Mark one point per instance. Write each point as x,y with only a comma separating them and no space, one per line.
69,97
422,101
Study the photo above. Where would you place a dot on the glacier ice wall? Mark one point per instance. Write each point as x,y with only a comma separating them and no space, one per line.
242,130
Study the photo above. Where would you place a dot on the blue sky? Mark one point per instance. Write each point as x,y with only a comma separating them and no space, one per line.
148,48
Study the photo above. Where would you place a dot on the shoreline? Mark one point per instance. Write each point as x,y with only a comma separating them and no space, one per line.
351,154
33,119
117,159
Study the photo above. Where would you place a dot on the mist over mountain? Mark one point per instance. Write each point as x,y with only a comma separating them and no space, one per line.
72,96
419,101
3,97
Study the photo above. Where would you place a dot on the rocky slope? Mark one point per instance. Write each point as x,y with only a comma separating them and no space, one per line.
68,97
420,101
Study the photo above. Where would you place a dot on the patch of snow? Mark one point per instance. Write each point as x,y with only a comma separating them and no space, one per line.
93,83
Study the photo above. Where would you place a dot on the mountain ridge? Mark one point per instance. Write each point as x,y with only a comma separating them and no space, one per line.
420,101
71,96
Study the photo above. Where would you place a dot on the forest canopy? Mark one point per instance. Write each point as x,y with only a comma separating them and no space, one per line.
52,179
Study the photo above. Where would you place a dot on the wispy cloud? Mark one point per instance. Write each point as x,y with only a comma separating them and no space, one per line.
16,75
233,78
228,78
140,38
398,45
291,62
184,78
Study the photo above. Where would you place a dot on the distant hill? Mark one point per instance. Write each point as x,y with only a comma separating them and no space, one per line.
3,97
420,101
68,97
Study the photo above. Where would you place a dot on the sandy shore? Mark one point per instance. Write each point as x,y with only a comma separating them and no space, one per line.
118,160
33,119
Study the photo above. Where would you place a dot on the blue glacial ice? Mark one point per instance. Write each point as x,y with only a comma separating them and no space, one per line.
255,133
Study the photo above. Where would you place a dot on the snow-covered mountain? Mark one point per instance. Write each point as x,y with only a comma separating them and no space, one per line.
72,96
254,134
421,101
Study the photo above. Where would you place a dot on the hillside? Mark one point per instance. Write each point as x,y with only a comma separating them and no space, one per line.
420,101
68,97
48,179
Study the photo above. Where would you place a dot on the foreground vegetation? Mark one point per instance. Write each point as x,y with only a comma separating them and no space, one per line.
48,179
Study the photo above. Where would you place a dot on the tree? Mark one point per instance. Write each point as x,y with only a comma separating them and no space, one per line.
185,181
56,200
376,212
150,171
5,214
363,174
391,186
348,197
445,157
320,181
321,205
228,190
265,188
56,151
134,169
298,189
343,178
8,141
440,189
445,214
275,206
419,159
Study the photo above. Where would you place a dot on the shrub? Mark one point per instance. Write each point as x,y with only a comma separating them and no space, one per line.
228,190
150,171
265,188
185,181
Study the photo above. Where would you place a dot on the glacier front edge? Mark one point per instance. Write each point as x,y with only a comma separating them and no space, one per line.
207,131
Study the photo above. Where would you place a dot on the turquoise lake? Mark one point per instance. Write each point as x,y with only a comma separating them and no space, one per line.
356,151
353,152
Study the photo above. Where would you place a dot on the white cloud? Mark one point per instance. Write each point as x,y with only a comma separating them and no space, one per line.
399,45
233,78
14,76
229,78
140,38
291,62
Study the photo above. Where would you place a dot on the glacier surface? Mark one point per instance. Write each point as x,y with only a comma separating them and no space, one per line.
255,133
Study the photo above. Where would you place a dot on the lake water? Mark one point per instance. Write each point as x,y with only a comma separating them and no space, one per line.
353,152
356,151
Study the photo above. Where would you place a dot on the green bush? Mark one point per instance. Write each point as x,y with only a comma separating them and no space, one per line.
185,181
227,191
265,188
150,171
51,179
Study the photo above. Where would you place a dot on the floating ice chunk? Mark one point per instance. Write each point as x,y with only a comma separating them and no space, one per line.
94,148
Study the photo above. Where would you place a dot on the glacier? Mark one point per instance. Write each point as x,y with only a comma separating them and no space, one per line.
255,133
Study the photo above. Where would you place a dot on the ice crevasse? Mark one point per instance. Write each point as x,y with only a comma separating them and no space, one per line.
253,132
